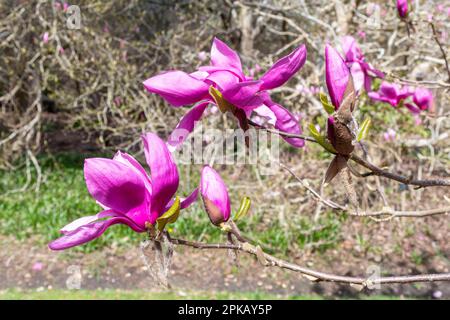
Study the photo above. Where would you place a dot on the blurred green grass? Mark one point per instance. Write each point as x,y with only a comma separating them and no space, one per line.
13,294
63,197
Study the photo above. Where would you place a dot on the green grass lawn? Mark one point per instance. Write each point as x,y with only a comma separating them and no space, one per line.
146,295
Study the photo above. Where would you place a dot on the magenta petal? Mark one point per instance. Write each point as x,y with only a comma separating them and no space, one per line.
177,87
114,184
186,125
378,97
89,232
85,220
402,8
412,108
244,94
284,69
358,76
351,49
286,122
224,56
223,79
215,195
337,75
132,163
164,173
190,199
423,98
185,202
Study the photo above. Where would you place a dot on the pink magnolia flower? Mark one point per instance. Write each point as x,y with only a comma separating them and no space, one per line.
391,93
65,6
226,77
423,98
395,95
126,192
337,75
402,8
45,37
362,72
339,84
215,196
389,135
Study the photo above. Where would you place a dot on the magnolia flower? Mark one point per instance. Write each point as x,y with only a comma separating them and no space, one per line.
340,125
402,8
224,84
389,135
45,37
396,95
126,192
362,72
337,75
423,98
215,196
391,93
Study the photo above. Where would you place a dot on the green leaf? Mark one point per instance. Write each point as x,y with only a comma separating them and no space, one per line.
321,139
243,208
329,108
364,130
170,216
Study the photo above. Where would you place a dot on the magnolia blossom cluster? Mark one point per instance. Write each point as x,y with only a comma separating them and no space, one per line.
415,99
145,201
130,196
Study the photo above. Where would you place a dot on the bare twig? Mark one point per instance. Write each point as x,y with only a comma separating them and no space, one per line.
312,274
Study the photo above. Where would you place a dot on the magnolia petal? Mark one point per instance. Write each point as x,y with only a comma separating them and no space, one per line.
402,8
85,220
337,75
184,202
379,97
114,184
177,87
358,76
215,196
163,171
265,112
223,56
132,163
244,95
186,126
89,232
284,69
423,98
351,49
190,199
223,79
286,122
412,108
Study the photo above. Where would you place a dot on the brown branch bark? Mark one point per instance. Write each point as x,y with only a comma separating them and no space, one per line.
312,274
373,168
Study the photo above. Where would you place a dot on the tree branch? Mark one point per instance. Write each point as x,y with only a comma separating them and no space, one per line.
374,169
311,274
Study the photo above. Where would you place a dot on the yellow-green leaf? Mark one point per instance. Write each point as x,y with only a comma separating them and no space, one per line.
329,108
321,139
170,216
364,130
243,208
221,103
